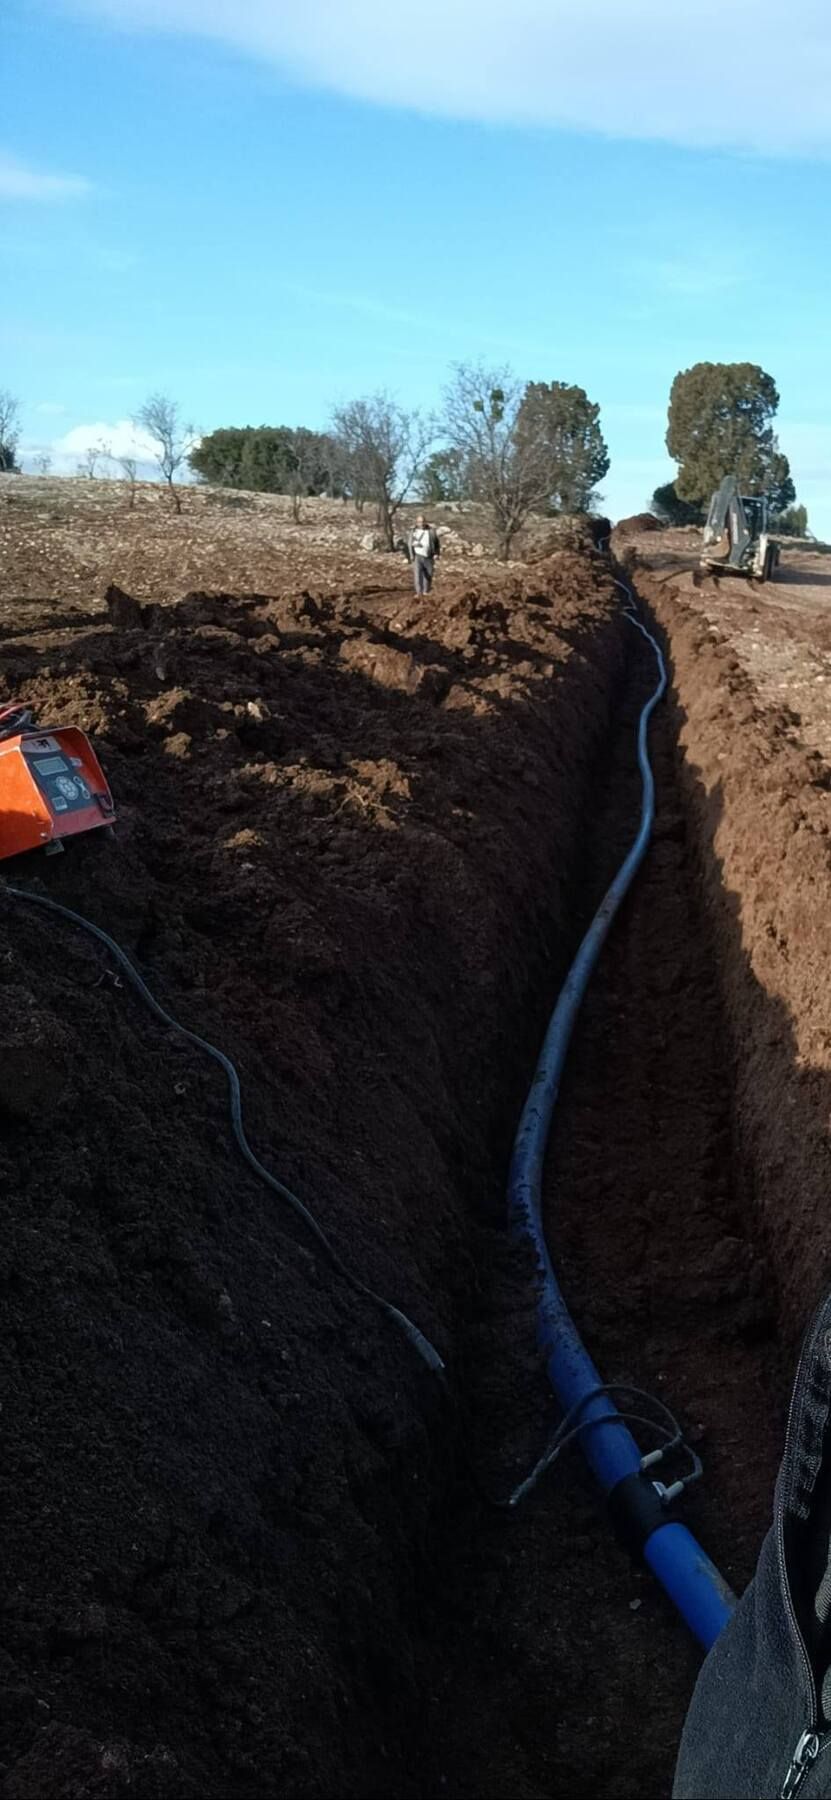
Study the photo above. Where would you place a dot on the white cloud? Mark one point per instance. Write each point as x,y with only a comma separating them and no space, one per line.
117,438
19,182
725,72
122,438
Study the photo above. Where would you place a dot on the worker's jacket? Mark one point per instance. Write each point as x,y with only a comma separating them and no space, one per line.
428,545
760,1720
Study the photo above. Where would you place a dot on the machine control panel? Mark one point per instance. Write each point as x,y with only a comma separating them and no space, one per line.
58,775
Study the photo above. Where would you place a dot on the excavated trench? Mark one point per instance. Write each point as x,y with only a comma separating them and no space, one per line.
284,1568
565,1669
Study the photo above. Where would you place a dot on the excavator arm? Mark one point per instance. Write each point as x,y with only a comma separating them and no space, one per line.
736,536
727,515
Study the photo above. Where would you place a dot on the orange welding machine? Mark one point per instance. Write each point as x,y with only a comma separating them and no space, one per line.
51,784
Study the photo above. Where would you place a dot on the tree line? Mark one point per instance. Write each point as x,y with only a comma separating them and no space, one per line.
517,447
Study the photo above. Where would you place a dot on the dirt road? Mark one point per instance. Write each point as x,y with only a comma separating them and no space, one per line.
780,630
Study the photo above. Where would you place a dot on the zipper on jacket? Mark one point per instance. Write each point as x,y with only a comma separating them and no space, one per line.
810,1745
803,1759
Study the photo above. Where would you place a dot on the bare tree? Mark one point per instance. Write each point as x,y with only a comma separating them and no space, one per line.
172,440
509,470
336,475
92,456
383,448
297,486
129,469
9,431
43,463
316,467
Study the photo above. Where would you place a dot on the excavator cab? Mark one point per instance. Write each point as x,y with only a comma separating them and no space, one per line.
736,539
756,514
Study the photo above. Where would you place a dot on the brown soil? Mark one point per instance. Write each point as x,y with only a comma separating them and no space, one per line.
752,668
638,523
250,1545
64,539
222,1468
779,630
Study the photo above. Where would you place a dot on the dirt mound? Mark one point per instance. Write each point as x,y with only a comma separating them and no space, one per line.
345,825
572,533
639,522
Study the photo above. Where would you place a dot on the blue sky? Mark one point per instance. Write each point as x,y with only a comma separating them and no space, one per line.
265,209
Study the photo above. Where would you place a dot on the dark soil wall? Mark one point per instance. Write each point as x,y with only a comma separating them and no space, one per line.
346,829
762,815
568,1671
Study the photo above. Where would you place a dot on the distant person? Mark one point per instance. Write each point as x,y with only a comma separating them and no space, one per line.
424,548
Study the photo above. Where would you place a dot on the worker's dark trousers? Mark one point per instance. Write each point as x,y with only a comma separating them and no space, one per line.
423,574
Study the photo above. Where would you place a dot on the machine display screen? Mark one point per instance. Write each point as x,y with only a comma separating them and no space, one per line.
65,790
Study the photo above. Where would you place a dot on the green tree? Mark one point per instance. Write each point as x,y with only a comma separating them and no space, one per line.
720,423
668,506
443,477
217,457
9,432
565,425
778,484
267,460
791,523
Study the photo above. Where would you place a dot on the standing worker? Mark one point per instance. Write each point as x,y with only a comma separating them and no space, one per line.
424,548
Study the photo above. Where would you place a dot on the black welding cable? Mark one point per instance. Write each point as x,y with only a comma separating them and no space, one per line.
416,1338
572,1426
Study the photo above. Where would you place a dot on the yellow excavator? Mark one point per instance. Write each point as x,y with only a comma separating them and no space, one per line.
736,538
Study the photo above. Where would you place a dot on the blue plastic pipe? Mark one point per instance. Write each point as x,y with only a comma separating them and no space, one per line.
686,1573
